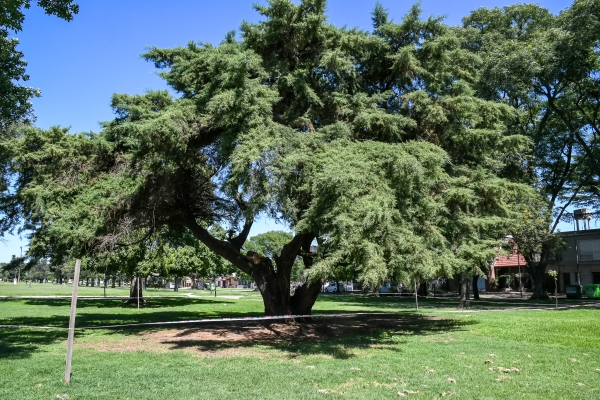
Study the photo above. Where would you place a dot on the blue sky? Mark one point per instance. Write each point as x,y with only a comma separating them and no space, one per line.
80,64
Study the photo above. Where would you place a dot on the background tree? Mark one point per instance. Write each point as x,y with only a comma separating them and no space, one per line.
545,68
270,244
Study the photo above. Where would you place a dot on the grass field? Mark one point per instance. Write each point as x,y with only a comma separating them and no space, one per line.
49,289
437,353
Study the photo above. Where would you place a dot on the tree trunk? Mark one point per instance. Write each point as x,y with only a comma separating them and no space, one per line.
475,288
133,292
113,282
92,282
537,270
175,288
274,288
273,283
305,296
422,291
464,290
304,299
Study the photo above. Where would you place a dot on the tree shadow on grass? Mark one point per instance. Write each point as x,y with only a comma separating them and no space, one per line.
338,338
335,337
149,302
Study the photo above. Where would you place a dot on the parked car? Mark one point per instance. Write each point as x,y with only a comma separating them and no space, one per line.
332,288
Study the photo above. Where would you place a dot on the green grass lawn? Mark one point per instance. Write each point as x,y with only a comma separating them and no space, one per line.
50,289
438,352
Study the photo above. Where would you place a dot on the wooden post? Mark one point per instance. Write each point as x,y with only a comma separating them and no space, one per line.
416,298
72,321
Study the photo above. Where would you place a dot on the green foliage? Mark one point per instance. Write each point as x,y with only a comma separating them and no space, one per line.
270,244
545,68
376,143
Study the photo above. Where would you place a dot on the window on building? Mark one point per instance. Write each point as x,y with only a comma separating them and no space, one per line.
589,250
596,277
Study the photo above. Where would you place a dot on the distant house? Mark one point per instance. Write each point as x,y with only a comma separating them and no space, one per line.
581,253
513,263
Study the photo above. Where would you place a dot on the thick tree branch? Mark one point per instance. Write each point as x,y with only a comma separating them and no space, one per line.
240,239
289,252
563,208
221,247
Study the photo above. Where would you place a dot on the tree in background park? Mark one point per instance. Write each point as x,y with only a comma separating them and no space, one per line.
374,144
545,68
270,244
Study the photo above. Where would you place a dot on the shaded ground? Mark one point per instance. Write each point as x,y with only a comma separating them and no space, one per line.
335,338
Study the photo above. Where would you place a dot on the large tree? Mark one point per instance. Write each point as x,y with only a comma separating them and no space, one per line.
545,67
374,144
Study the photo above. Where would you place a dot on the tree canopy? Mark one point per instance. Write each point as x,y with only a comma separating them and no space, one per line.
377,145
545,67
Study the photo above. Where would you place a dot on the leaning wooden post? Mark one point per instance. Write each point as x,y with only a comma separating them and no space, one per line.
72,321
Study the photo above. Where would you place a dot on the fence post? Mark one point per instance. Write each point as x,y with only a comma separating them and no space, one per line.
72,321
416,297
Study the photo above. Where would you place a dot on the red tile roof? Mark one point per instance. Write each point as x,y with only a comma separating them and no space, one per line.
512,260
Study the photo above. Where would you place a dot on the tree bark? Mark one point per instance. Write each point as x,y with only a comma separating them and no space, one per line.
305,296
113,282
274,287
422,291
464,290
537,270
273,279
475,288
304,299
133,292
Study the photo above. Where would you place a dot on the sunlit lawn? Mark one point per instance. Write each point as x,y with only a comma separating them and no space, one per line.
50,289
552,354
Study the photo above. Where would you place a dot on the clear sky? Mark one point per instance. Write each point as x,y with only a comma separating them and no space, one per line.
80,64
